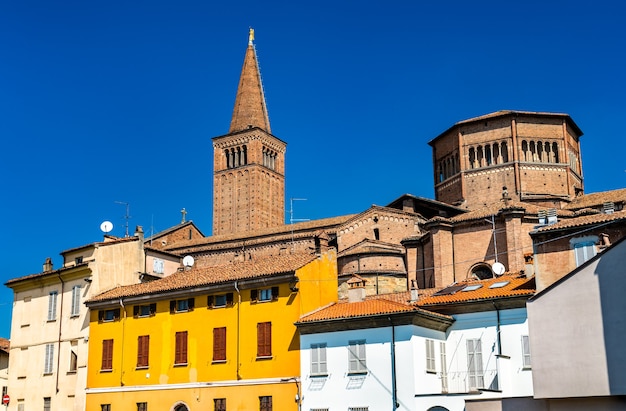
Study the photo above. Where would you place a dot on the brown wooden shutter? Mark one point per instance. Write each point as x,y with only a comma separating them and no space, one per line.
229,299
153,309
135,311
190,304
172,306
107,355
274,293
209,301
219,344
143,350
264,339
100,315
180,356
116,314
254,295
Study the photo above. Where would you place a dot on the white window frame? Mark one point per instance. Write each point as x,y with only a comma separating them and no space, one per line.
357,357
526,363
49,359
319,364
76,290
430,356
475,371
52,305
158,266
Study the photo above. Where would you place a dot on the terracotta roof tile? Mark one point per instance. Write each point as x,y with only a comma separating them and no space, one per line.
584,221
109,240
516,286
207,275
369,307
597,199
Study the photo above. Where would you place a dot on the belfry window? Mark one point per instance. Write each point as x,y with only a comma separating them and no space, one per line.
236,156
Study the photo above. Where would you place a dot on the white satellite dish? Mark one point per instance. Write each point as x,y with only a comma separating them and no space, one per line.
498,268
106,226
188,261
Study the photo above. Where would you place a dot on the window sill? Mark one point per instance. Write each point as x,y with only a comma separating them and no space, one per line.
431,372
52,321
357,373
527,368
142,367
322,375
182,364
261,358
106,371
218,362
73,372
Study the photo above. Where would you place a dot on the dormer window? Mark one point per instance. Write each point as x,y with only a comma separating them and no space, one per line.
78,260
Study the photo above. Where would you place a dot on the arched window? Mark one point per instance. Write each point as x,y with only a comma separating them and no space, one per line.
488,155
180,407
525,151
555,150
540,153
533,152
472,157
480,156
504,151
482,271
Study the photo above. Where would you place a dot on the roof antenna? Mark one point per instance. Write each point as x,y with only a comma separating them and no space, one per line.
127,216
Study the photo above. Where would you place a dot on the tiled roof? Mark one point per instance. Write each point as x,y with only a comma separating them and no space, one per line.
369,307
295,230
494,208
171,230
109,240
597,199
584,220
44,274
202,276
516,286
5,344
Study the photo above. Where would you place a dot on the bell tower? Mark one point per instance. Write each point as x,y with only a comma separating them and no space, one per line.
248,162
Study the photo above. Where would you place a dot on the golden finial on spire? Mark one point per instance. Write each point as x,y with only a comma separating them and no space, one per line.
251,36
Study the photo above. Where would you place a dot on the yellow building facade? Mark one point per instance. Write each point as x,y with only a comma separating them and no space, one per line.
207,338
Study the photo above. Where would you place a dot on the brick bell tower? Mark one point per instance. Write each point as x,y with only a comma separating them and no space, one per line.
248,162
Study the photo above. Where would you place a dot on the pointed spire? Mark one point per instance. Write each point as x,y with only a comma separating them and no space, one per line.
250,109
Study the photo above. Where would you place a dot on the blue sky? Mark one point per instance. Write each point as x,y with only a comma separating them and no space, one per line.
117,101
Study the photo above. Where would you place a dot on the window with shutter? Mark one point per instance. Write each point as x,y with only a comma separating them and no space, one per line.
525,352
182,306
318,359
265,403
356,357
430,356
143,351
475,364
52,305
219,344
75,311
219,404
107,355
180,355
264,339
49,360
142,406
444,367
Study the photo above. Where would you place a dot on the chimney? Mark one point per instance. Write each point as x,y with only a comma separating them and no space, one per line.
414,292
47,266
356,289
139,233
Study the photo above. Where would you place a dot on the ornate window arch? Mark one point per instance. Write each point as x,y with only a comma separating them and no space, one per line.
481,271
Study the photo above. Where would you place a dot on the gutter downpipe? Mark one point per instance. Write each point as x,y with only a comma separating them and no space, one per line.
123,319
238,308
60,331
394,388
499,343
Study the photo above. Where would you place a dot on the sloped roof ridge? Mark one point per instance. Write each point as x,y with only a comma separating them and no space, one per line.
597,199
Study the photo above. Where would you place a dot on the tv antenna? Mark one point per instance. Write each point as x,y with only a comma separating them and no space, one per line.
127,215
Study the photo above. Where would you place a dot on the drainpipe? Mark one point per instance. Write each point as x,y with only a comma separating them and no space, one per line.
238,308
394,388
60,331
498,344
123,319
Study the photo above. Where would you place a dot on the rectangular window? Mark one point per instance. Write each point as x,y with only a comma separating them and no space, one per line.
109,315
157,266
318,359
444,367
584,251
358,408
264,294
52,305
430,356
222,300
142,406
264,339
147,310
20,406
107,355
73,356
143,350
47,403
265,403
182,306
75,301
356,355
475,364
219,344
105,407
180,354
219,404
525,352
49,360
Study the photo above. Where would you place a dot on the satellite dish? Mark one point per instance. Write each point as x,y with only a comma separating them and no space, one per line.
106,226
498,268
188,261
